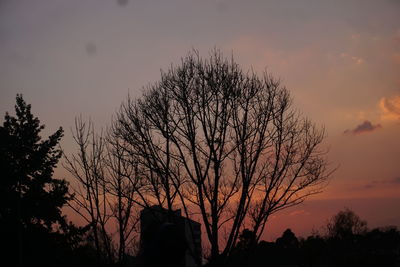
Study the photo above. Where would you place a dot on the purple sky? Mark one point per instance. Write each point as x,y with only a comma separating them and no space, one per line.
339,59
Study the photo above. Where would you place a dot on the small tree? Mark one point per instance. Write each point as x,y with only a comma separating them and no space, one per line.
288,240
346,224
30,198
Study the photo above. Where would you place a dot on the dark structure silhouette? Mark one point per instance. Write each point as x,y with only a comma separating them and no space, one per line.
169,239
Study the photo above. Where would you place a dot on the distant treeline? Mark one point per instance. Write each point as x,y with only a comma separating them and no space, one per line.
377,247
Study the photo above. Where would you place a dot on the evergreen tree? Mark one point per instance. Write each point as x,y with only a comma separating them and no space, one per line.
30,198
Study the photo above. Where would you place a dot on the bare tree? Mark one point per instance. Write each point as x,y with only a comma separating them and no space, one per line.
104,190
122,182
89,191
224,144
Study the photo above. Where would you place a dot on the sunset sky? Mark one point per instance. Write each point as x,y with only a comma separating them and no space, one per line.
340,60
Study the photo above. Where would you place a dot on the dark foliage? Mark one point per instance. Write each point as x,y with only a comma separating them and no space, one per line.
346,224
359,247
32,225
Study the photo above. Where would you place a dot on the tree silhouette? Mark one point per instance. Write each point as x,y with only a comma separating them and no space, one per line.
359,247
288,240
222,143
31,199
350,243
104,191
346,224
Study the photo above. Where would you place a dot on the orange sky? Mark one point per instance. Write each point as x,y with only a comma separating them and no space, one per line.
339,59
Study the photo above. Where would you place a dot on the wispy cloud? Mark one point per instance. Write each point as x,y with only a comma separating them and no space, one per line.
378,183
364,127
